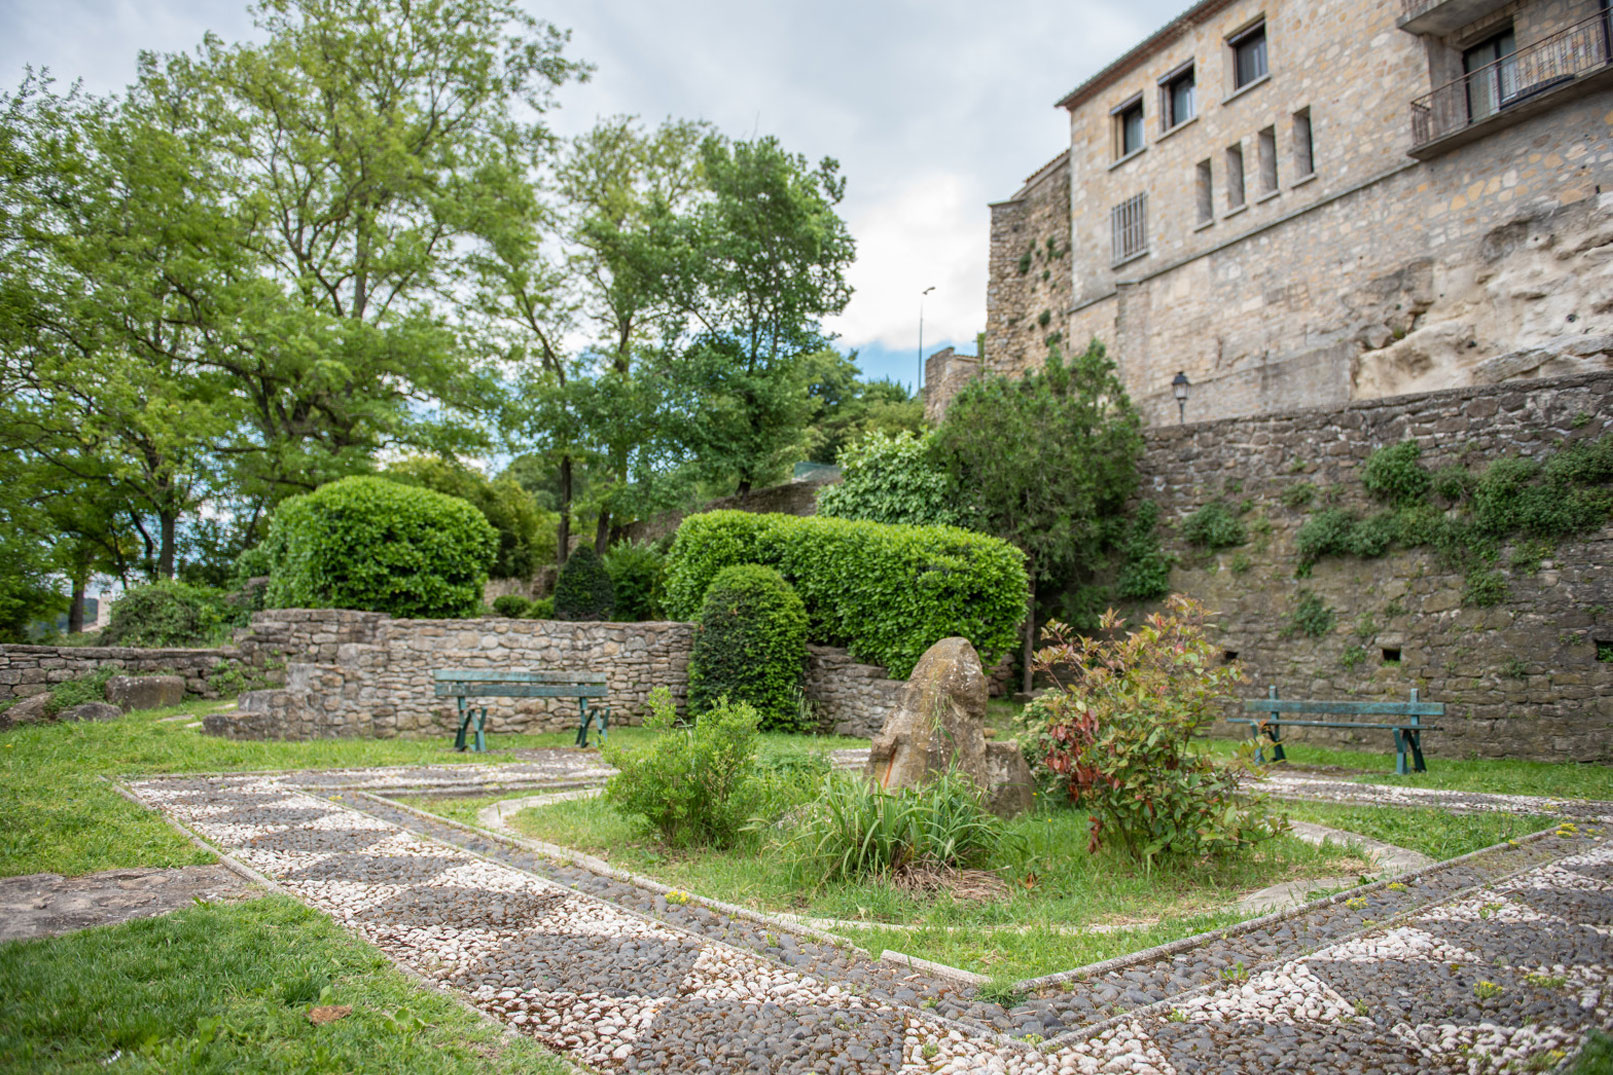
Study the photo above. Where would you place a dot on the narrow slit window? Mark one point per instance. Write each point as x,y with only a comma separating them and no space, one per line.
1391,656
1268,161
1206,193
1128,223
1235,177
1304,148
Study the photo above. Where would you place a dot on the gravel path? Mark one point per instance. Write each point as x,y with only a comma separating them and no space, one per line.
1487,963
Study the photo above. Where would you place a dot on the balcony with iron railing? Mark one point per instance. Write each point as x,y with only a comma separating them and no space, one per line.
1515,86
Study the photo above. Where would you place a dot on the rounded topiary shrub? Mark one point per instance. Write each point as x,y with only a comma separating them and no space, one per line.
170,613
512,605
583,590
372,544
750,647
636,571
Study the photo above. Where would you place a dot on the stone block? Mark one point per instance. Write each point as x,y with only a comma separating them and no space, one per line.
145,692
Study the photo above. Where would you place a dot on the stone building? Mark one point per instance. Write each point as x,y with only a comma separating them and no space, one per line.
1301,203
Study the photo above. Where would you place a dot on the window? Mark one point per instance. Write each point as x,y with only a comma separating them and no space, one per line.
1304,149
1129,128
1492,74
1128,225
1206,193
1249,56
1235,177
1176,97
1268,160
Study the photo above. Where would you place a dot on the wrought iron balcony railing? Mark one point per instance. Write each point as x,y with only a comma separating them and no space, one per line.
1508,82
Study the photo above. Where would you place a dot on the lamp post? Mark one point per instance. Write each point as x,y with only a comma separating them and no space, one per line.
918,385
1180,385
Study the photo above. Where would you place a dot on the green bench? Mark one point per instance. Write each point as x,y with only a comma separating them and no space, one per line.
466,685
1408,730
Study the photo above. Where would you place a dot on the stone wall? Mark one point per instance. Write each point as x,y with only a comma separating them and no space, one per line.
365,674
1521,679
30,670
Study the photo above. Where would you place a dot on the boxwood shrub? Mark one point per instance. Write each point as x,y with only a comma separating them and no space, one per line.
885,592
372,544
751,647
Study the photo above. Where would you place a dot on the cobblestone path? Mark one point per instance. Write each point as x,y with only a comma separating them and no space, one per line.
1496,962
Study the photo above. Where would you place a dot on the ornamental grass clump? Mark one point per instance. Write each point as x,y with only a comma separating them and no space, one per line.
1116,731
856,830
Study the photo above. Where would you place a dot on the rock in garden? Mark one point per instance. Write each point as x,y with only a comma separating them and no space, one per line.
145,692
1009,778
27,711
91,711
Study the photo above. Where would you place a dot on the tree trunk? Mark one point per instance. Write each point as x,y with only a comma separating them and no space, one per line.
744,488
165,557
602,532
563,532
75,610
1030,634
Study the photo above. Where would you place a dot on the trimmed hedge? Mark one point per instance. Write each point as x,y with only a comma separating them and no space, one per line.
751,647
380,546
512,605
583,590
887,593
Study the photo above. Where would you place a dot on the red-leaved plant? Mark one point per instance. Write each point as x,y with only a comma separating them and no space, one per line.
1115,735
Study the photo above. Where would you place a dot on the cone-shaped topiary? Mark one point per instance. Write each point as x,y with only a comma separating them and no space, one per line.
751,647
584,590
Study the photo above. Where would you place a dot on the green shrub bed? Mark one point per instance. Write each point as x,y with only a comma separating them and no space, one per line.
886,593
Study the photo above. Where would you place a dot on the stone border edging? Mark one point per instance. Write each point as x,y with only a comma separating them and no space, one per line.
241,868
1251,925
1093,1029
605,869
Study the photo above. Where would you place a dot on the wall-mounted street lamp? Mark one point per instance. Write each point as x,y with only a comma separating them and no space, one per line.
918,385
1180,385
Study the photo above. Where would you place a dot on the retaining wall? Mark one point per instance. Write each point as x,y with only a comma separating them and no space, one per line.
30,670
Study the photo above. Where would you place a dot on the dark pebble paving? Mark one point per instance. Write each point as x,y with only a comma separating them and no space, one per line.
1416,992
560,963
766,1038
1526,944
1250,1047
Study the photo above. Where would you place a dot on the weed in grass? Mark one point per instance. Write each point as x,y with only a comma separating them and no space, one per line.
1237,973
929,1050
1486,990
1177,1015
1546,981
1033,1039
1362,1008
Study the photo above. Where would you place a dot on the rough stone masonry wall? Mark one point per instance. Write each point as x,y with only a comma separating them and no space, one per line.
30,670
1520,679
369,675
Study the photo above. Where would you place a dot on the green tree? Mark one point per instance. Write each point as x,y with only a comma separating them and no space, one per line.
894,479
1045,458
763,260
525,540
847,408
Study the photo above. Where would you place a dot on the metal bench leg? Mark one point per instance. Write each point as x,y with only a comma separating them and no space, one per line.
1275,732
1417,751
1260,754
582,722
1401,769
481,741
464,722
604,723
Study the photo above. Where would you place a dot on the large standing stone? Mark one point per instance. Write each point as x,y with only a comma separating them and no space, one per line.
940,722
91,711
145,692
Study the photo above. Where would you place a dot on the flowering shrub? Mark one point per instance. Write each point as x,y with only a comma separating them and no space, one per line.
1115,735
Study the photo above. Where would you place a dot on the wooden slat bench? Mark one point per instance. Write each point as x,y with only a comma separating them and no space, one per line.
467,684
1408,730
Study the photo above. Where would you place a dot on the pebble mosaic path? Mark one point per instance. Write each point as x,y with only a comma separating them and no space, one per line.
1496,962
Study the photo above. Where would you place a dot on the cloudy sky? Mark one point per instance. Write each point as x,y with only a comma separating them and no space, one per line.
933,109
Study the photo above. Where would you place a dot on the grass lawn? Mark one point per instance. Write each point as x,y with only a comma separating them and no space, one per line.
57,817
221,988
1435,833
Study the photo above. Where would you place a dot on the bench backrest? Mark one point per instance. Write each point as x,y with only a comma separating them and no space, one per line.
492,683
1355,709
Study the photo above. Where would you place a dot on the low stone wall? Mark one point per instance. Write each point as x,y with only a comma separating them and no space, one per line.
371,675
29,670
851,698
